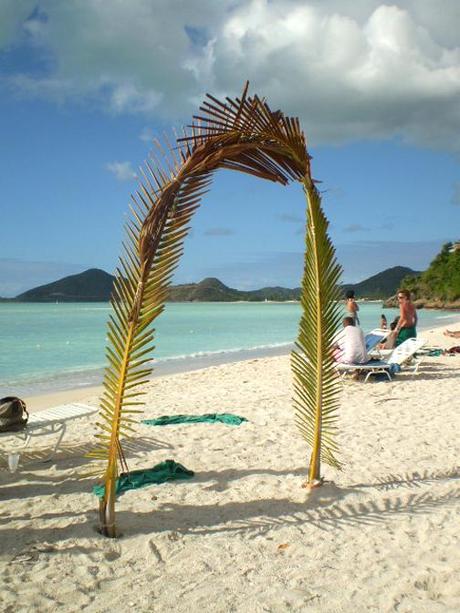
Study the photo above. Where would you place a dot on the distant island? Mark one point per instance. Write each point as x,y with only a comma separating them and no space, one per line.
382,285
95,285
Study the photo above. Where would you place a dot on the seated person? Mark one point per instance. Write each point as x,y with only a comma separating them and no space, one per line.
452,350
452,333
349,346
389,342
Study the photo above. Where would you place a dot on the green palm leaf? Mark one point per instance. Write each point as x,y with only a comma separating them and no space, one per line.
316,381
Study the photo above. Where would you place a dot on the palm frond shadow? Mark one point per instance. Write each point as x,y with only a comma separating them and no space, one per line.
5,519
52,541
133,447
221,480
415,479
259,517
326,508
34,485
37,479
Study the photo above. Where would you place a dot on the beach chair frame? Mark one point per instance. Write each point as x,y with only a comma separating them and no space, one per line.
400,356
48,422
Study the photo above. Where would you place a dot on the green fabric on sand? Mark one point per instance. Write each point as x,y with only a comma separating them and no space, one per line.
210,418
435,352
165,471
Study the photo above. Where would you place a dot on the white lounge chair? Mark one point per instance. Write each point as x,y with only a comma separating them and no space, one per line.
51,421
403,353
374,337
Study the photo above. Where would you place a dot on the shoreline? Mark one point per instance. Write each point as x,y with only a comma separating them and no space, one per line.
91,393
166,368
83,378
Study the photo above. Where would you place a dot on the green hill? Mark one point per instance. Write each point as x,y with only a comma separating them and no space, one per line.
381,285
213,290
208,290
439,285
93,285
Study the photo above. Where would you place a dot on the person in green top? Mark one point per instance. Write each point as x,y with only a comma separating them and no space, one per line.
407,322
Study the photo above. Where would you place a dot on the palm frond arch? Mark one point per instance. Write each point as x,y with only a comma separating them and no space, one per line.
243,134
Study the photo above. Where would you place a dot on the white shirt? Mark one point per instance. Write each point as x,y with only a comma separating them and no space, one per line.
352,346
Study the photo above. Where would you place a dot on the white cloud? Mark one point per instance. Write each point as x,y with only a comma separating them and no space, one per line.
122,170
12,15
349,70
147,134
127,97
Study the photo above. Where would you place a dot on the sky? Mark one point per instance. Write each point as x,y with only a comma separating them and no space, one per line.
85,86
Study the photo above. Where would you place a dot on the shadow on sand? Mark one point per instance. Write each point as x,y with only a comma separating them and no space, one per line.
39,479
327,508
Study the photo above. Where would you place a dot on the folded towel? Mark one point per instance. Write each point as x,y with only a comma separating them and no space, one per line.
165,471
211,418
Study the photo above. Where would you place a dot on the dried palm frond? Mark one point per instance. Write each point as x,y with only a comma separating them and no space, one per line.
155,234
241,134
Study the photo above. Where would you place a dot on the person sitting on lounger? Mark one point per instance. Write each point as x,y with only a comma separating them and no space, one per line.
452,350
452,333
389,342
349,346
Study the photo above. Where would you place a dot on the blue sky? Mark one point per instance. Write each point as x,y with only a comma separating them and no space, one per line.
86,85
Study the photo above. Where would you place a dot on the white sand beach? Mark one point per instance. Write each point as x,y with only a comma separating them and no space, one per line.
243,535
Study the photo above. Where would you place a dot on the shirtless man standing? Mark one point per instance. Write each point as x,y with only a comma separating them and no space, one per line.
352,306
407,317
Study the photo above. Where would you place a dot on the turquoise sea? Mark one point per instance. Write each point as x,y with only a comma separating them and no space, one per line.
46,347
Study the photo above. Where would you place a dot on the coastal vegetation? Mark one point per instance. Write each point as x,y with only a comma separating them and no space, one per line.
439,286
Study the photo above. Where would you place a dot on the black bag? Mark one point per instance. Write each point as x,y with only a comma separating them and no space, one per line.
13,414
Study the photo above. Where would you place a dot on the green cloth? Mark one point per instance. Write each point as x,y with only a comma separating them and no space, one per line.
210,418
165,471
404,334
